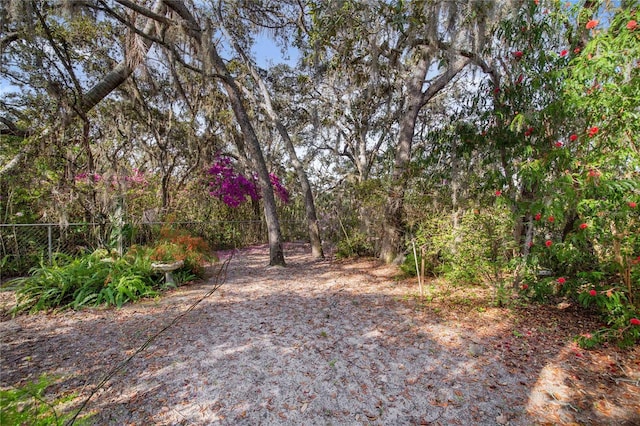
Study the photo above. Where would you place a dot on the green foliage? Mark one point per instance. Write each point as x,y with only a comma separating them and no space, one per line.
28,405
479,249
97,278
580,174
433,237
354,245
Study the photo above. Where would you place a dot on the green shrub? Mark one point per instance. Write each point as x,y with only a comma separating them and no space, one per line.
354,245
97,278
478,250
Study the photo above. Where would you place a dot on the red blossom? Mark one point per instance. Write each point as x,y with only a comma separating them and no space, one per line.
576,50
632,204
525,286
594,173
632,25
634,321
583,226
517,54
558,144
498,193
537,2
538,216
496,90
551,219
573,137
564,52
561,280
593,131
593,293
592,24
548,243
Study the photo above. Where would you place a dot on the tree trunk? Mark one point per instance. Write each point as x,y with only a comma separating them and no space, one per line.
122,71
309,203
393,232
276,252
393,229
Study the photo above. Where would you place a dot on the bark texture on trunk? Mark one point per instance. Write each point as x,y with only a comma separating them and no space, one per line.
303,180
276,251
392,238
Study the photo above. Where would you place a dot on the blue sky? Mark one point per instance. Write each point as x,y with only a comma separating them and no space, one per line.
267,53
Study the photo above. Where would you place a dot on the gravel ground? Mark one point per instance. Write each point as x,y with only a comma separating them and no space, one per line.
325,343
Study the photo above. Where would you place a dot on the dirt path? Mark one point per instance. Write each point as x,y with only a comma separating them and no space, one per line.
326,343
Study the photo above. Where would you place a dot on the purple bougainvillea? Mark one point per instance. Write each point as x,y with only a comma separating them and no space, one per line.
232,188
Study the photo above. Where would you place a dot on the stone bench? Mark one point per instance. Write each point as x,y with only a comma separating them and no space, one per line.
167,268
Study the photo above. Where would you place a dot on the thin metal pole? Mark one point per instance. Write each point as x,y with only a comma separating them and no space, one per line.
50,244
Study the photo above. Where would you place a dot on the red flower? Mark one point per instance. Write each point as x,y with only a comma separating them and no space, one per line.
520,78
525,286
593,131
551,219
537,2
576,50
561,280
496,90
498,193
634,321
632,25
538,216
517,54
593,293
592,24
564,52
583,226
548,243
558,144
593,173
632,204
529,131
573,138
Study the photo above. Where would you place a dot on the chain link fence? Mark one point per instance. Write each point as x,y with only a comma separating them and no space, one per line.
23,246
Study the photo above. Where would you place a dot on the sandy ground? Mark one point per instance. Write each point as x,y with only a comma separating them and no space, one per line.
325,343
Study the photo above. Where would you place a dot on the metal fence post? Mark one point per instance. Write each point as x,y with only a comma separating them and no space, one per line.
50,244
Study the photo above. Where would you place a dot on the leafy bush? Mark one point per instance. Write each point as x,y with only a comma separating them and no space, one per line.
478,250
103,277
176,245
98,278
354,245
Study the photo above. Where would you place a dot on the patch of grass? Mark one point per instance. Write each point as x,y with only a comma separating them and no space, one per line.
28,405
